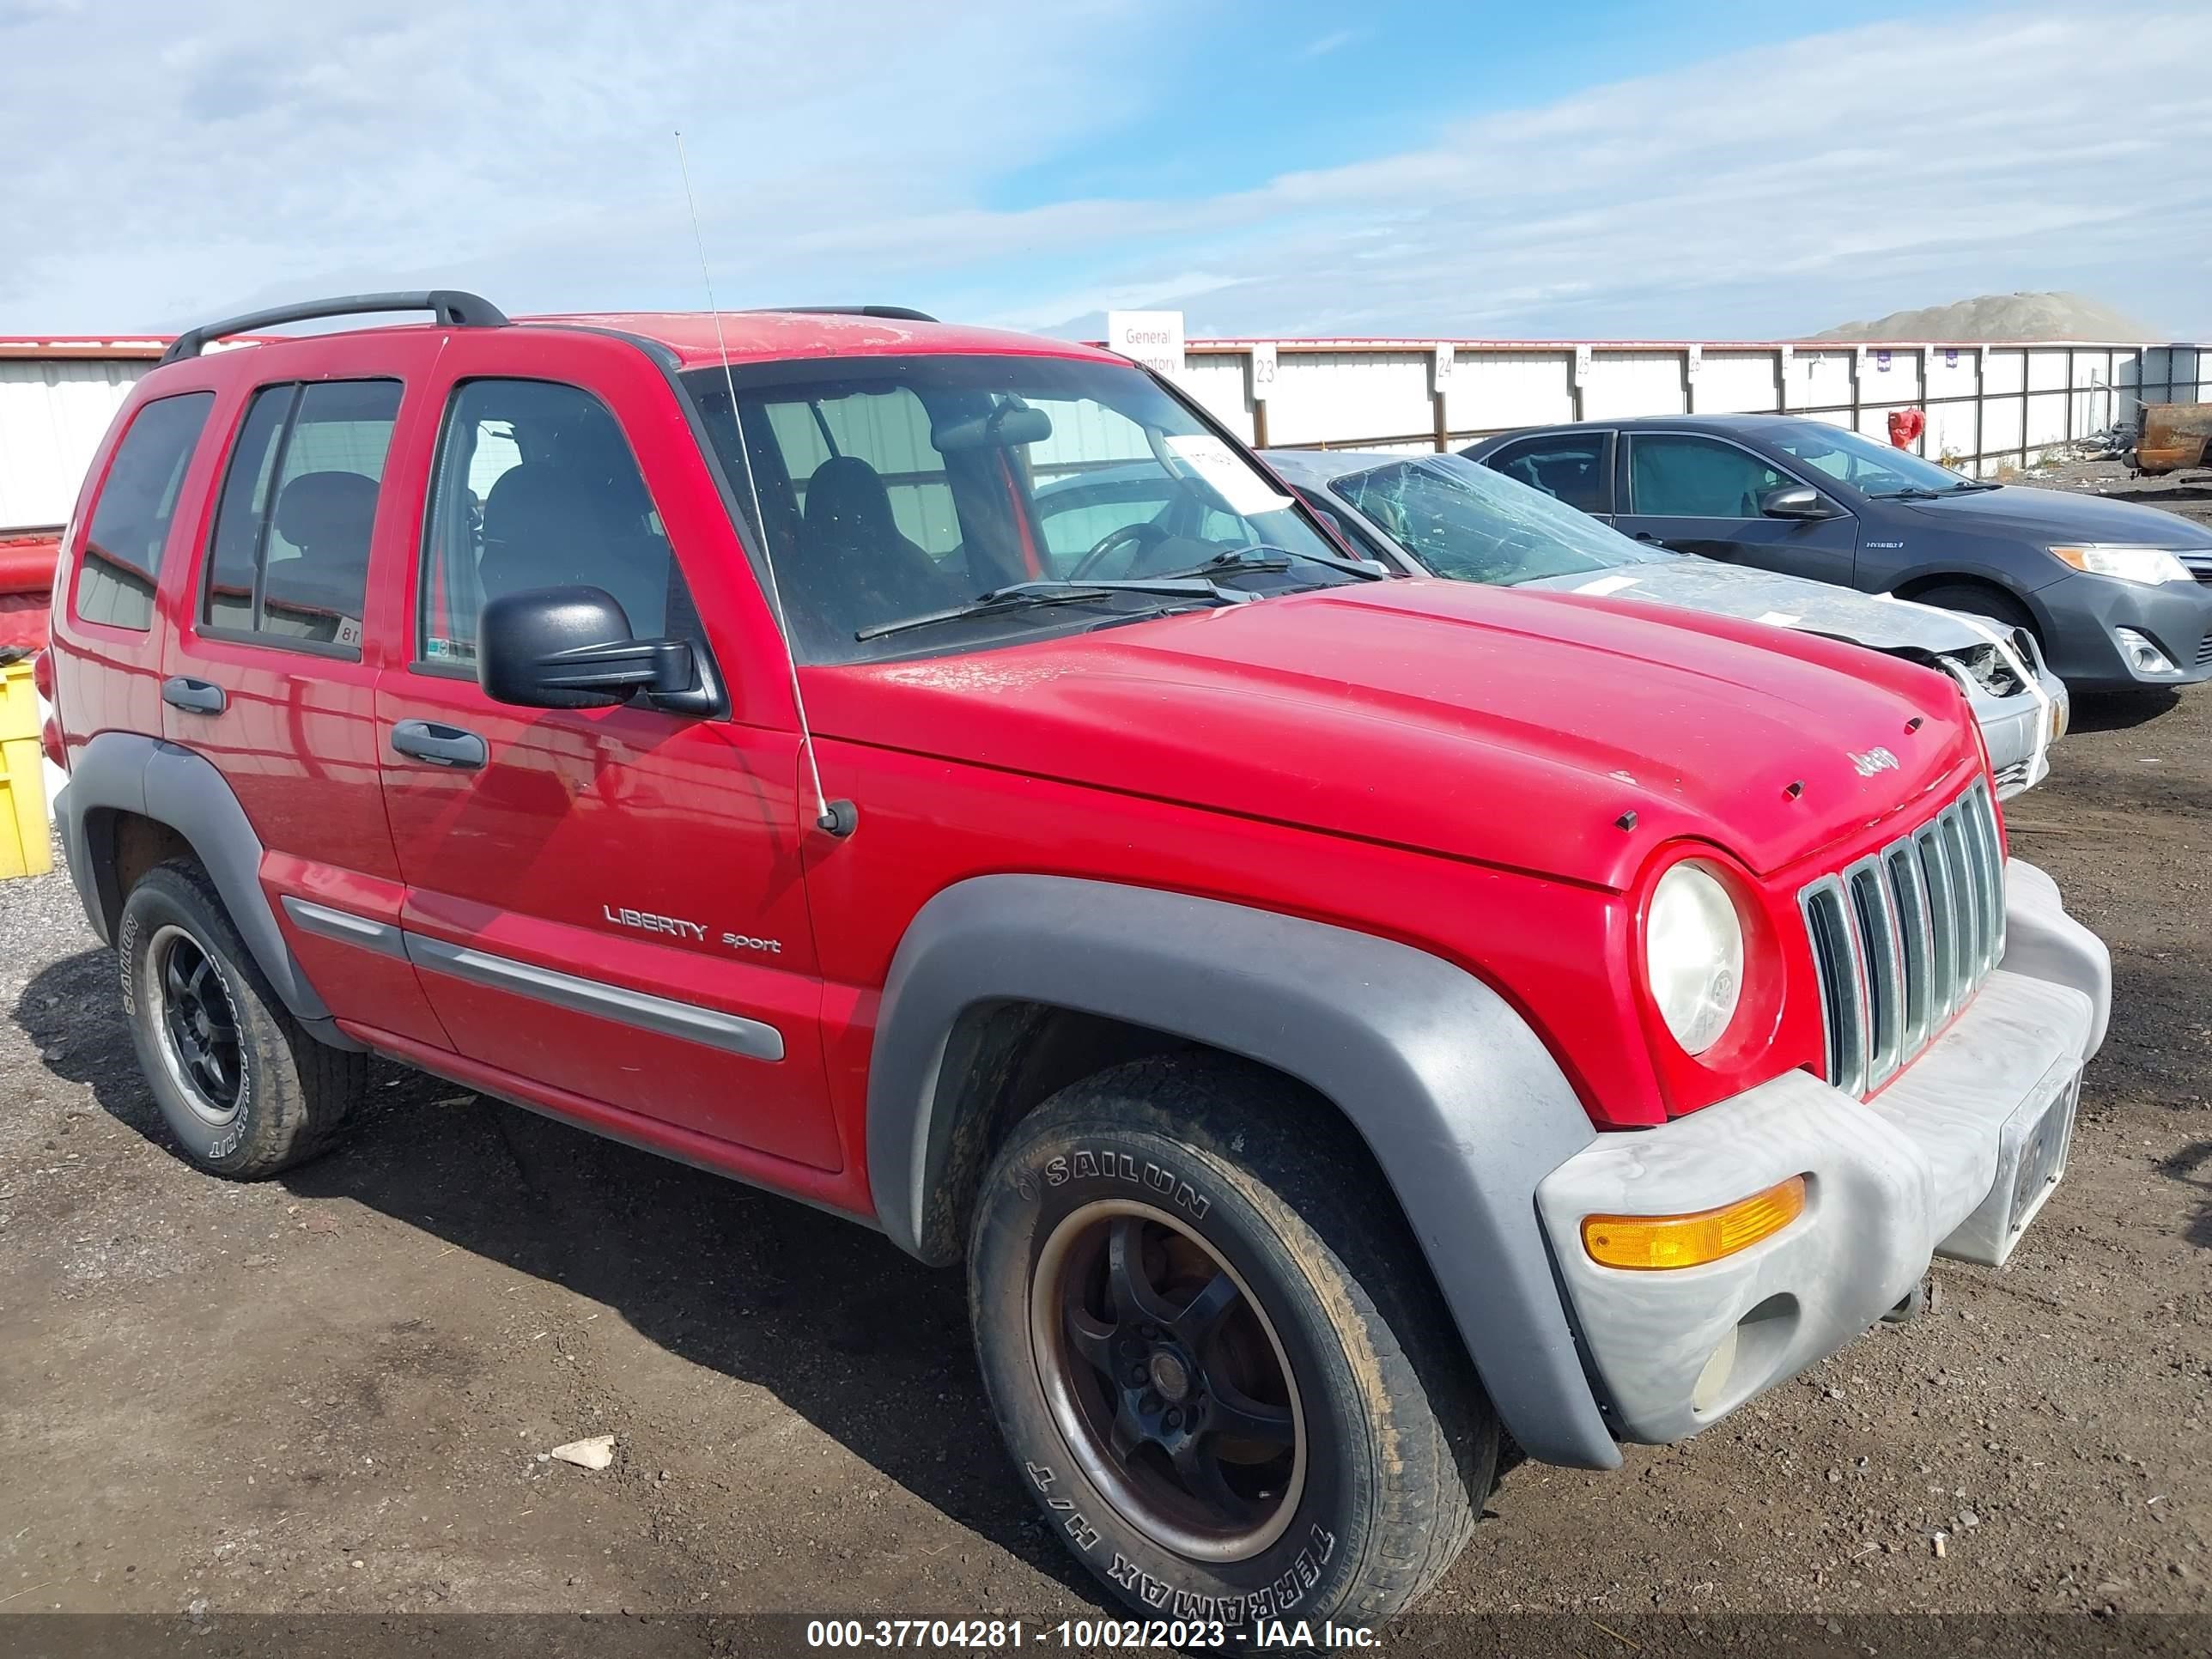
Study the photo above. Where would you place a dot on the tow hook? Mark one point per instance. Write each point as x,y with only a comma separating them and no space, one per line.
1925,1297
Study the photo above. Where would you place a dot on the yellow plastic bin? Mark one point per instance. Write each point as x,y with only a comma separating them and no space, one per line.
26,849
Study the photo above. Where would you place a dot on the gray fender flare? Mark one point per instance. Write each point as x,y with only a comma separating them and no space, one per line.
125,771
1462,1104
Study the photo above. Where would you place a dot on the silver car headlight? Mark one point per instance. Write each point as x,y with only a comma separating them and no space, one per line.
1693,954
2129,563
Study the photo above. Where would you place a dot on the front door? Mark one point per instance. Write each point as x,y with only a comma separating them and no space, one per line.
608,903
1701,495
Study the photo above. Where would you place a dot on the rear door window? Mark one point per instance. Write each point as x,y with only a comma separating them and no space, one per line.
289,562
121,560
1574,467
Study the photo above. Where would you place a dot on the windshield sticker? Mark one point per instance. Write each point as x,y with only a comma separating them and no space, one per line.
1779,619
1605,585
1242,489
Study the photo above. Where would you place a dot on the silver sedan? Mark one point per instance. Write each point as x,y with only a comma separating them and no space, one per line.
1441,515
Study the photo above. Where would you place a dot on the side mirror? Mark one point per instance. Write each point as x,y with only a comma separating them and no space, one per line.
1796,502
570,647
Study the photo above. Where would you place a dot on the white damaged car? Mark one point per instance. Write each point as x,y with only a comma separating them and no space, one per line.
1441,515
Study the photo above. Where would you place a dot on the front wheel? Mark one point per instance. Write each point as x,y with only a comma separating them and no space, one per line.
1977,600
1217,1357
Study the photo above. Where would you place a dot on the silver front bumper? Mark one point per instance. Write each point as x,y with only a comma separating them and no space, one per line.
1953,1158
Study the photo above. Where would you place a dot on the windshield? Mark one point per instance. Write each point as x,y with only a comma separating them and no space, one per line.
903,489
1462,519
1861,463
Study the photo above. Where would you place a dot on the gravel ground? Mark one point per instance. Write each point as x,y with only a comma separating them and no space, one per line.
335,1391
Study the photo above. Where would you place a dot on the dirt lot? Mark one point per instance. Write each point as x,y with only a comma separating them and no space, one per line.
335,1391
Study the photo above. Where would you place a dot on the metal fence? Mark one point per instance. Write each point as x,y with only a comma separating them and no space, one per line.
1989,405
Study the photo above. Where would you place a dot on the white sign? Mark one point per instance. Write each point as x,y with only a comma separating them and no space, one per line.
1263,371
1153,338
1242,488
1697,361
1787,354
1443,355
1581,365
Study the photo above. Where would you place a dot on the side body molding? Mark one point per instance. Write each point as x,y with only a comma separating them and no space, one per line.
1462,1106
127,772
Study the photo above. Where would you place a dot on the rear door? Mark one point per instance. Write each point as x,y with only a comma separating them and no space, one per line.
607,904
270,675
1700,494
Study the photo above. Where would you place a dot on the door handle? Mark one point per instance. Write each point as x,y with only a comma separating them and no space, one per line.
194,696
441,746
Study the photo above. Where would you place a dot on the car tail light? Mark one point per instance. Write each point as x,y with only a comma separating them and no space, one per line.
42,674
50,740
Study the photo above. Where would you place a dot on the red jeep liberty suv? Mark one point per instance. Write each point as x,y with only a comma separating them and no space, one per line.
1339,1021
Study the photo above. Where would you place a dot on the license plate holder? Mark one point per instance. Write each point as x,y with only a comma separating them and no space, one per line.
2043,1156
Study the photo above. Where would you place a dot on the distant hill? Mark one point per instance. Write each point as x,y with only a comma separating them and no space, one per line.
2001,317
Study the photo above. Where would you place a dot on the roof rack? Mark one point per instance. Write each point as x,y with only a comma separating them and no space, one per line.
452,307
894,313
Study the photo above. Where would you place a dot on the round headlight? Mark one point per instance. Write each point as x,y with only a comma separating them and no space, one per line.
1693,955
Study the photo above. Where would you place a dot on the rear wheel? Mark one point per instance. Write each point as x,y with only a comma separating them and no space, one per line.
245,1090
1216,1355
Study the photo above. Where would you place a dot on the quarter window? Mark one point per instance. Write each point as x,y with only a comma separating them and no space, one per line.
130,525
289,562
537,487
1677,477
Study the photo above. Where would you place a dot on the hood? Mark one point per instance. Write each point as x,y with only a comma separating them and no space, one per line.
2059,515
1763,596
1507,727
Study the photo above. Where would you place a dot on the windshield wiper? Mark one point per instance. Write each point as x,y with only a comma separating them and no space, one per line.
1965,485
1021,596
1265,555
1911,493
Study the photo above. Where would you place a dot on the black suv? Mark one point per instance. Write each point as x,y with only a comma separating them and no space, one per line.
2118,595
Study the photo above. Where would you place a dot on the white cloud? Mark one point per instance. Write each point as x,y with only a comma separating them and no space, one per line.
246,150
854,155
1335,40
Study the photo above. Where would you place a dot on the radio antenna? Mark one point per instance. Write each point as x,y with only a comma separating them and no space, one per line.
836,818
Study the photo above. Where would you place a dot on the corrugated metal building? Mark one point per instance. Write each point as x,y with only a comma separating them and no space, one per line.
56,397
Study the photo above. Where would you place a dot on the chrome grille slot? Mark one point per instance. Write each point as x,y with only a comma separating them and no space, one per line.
1902,939
1882,962
1836,959
1943,927
1908,887
1965,892
1981,827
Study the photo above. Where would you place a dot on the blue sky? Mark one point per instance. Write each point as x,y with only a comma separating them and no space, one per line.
1252,90
1605,170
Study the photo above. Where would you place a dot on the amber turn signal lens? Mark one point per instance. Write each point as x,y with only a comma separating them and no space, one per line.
1646,1241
